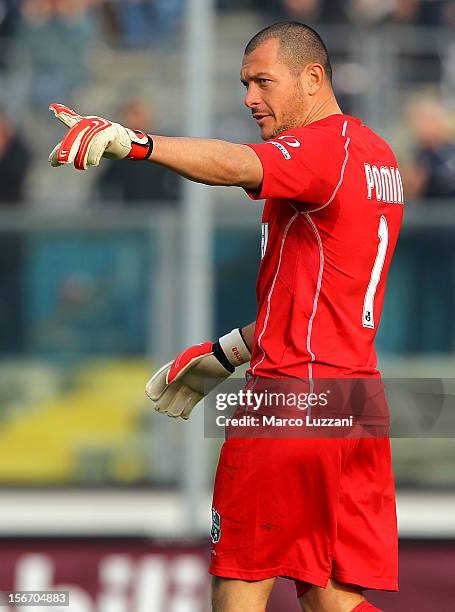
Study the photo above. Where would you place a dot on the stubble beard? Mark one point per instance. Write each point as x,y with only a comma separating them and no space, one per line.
288,122
295,116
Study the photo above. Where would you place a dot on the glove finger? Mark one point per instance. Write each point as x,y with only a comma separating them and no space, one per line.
96,148
157,384
75,146
70,145
189,405
184,401
65,114
53,156
96,127
163,403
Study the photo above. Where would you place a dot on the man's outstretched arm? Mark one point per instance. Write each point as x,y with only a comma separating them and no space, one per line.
213,162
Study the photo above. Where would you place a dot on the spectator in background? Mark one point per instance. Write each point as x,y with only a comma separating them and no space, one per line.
371,11
448,14
419,12
302,10
432,172
306,11
431,178
52,41
9,13
334,12
133,183
404,11
14,163
419,65
147,22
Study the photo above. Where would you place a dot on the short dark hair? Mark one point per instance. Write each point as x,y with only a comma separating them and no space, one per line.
299,45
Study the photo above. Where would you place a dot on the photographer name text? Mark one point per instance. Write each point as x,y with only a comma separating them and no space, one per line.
274,421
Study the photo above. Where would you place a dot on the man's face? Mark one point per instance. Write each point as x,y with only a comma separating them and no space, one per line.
275,96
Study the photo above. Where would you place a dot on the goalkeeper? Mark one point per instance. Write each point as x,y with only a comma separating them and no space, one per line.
321,512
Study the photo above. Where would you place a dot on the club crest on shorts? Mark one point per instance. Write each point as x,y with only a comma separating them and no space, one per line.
215,533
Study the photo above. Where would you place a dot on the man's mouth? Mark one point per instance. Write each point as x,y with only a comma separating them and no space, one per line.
260,117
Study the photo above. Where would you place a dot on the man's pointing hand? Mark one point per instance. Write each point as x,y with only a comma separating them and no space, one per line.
90,138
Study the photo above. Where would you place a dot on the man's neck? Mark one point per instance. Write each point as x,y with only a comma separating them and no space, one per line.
322,109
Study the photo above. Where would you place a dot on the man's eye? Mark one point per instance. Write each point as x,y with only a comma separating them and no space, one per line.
264,82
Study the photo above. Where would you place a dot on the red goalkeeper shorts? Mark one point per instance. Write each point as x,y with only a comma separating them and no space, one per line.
306,509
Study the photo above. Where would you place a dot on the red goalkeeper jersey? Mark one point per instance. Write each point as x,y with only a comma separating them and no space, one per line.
329,228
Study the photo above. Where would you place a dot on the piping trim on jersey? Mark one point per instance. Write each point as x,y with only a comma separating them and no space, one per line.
343,167
269,297
316,295
321,264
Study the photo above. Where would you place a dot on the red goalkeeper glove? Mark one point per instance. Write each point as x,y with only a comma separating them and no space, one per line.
180,384
91,138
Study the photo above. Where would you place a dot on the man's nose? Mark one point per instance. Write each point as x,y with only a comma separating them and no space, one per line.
252,97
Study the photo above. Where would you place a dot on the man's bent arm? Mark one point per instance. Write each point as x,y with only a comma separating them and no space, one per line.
248,334
212,162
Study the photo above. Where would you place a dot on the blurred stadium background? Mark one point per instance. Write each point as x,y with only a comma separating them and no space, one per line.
107,274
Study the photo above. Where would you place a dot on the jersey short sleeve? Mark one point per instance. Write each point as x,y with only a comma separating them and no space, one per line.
303,165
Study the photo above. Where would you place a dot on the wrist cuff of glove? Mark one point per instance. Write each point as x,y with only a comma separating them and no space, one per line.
141,150
234,348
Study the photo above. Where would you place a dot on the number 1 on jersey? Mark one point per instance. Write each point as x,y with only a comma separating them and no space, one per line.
368,303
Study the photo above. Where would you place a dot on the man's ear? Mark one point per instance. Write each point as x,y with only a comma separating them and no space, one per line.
315,77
